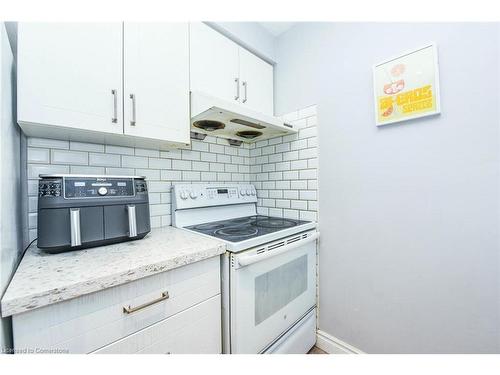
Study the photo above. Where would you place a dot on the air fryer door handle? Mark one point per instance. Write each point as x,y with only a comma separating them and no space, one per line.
76,238
132,221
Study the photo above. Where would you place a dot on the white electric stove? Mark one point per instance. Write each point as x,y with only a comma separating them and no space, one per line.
268,273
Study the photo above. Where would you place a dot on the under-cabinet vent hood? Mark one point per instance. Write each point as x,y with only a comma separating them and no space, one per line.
222,118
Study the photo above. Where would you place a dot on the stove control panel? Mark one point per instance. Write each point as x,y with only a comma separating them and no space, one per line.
222,193
199,195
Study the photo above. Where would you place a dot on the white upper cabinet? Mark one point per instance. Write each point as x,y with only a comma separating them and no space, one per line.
114,83
70,75
221,68
256,77
156,81
214,63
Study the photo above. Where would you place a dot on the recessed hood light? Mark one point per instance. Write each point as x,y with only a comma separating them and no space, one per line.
209,125
249,134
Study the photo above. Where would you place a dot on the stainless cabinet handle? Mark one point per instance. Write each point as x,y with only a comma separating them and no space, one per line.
237,80
132,122
74,216
130,309
132,221
245,87
114,119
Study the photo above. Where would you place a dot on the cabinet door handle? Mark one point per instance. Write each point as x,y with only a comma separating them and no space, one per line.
132,122
245,89
114,119
237,81
130,309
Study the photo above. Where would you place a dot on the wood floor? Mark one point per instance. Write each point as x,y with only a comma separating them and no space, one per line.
316,350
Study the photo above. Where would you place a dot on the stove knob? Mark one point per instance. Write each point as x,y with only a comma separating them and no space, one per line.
243,192
193,195
184,195
249,192
253,192
102,191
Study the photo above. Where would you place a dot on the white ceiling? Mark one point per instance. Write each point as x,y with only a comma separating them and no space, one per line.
277,28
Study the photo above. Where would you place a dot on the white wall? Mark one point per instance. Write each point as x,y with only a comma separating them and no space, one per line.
409,255
10,170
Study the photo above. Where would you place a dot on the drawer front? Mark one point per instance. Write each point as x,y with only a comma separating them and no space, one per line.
87,323
196,330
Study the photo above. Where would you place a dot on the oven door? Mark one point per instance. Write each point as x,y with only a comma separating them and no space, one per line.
272,287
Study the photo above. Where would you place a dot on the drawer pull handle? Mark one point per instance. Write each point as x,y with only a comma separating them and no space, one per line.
130,309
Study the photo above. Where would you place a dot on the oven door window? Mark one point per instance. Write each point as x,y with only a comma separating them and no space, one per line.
280,286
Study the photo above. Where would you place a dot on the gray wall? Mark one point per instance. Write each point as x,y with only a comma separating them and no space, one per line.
409,254
10,170
251,35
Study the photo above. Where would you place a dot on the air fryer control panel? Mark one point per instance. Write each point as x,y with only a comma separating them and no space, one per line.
51,187
91,187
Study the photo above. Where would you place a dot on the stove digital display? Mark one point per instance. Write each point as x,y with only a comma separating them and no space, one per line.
222,193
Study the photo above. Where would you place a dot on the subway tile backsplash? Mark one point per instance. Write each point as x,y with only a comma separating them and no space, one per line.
283,169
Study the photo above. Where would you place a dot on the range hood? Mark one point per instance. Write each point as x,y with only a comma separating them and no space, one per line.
234,121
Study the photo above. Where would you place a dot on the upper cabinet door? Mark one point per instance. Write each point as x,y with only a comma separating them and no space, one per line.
256,78
70,75
156,81
214,63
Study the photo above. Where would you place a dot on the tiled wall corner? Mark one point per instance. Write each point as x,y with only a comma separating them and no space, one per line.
285,169
208,161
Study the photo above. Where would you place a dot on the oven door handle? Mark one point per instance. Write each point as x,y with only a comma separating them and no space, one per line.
247,260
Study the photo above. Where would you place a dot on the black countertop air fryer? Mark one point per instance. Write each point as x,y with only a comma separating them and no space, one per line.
81,211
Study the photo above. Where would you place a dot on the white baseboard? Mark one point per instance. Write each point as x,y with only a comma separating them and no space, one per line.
333,345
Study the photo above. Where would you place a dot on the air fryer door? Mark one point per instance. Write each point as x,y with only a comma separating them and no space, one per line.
118,221
54,227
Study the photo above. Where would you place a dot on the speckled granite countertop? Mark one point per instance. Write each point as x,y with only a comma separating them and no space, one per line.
43,279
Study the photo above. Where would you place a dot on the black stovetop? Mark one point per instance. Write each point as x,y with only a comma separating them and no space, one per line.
244,228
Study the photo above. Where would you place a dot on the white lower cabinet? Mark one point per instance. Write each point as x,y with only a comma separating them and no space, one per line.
195,330
177,311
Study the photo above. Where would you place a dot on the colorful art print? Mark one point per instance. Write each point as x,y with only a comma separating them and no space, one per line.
407,87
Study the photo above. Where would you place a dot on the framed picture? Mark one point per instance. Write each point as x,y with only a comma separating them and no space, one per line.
407,87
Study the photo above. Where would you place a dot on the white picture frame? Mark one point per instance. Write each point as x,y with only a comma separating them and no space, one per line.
420,68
